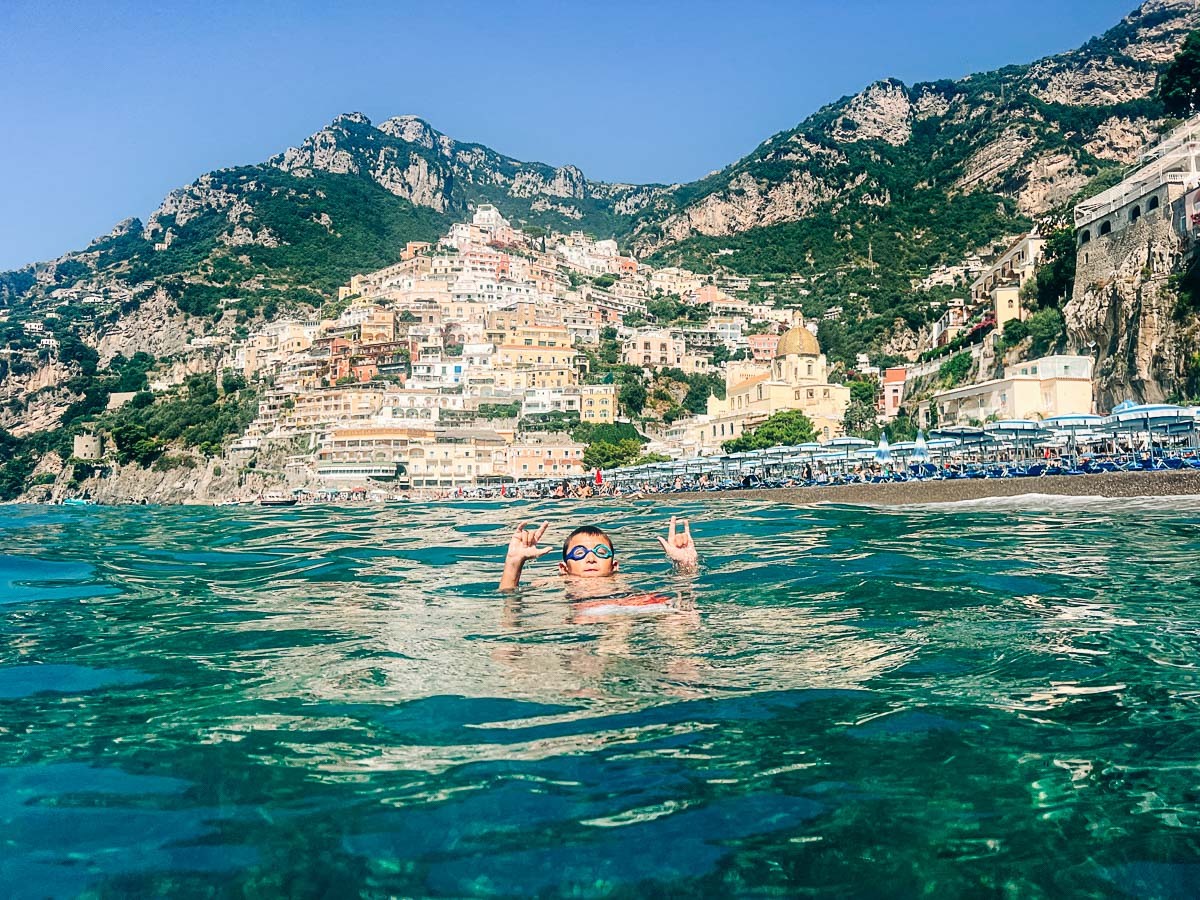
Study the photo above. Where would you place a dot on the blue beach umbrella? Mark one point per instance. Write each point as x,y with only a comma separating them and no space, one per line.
920,451
883,453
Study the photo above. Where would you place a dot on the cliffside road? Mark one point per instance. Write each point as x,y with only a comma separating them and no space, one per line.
1122,484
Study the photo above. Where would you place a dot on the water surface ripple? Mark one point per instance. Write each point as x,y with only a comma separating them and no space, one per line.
973,700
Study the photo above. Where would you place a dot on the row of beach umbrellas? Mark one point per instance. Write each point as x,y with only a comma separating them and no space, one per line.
1020,437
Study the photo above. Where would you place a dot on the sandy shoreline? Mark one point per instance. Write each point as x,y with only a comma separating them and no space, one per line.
1107,484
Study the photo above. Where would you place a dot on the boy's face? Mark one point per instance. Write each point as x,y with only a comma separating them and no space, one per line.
591,566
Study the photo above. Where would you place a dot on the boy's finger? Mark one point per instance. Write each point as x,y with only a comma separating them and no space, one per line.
687,528
671,528
541,531
544,550
663,541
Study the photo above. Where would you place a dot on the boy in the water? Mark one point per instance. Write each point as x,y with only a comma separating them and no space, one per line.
588,552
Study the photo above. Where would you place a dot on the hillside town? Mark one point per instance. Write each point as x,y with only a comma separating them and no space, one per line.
469,362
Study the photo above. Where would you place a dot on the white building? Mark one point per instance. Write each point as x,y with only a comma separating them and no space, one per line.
433,372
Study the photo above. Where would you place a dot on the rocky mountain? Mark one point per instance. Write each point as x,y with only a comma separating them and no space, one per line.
909,176
346,200
410,159
1021,141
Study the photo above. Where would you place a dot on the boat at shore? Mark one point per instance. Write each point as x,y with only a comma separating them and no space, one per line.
275,498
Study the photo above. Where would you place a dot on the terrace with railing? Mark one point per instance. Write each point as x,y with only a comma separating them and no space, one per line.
1172,160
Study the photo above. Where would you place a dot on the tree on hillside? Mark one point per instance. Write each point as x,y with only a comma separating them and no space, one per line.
784,429
1045,327
1179,87
1056,275
632,397
604,455
955,370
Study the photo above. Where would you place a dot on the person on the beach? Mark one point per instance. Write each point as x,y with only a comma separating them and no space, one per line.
588,552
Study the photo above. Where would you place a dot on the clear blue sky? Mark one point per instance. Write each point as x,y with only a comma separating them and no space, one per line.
107,106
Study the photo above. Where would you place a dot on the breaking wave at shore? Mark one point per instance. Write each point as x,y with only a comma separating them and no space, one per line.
1051,502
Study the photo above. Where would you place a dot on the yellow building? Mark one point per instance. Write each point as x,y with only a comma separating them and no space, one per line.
323,407
598,403
537,356
798,379
459,457
515,379
1038,389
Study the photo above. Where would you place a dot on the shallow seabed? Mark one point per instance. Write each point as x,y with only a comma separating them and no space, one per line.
997,699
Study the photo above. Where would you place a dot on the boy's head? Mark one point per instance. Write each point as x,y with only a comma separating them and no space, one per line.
588,553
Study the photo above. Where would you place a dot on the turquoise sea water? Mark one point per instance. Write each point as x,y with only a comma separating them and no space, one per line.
991,699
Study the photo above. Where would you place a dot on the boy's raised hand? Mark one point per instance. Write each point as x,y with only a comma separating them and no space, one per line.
679,547
524,543
522,547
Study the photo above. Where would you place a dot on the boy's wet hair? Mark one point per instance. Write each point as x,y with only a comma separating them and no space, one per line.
587,531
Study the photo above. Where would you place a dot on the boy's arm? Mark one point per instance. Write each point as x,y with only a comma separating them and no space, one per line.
680,548
522,547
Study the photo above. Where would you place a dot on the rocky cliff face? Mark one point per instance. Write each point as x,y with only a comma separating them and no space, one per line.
190,478
1028,134
1124,311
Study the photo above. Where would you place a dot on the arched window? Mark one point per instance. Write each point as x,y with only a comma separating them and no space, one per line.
1135,214
1085,236
1106,227
1152,204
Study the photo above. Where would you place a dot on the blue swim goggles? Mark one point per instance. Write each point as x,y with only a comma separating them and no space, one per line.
579,552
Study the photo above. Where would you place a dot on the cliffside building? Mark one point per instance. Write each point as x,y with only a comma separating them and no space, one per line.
87,447
1170,170
1130,240
999,287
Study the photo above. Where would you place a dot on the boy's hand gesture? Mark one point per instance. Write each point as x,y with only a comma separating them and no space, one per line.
522,547
524,543
679,547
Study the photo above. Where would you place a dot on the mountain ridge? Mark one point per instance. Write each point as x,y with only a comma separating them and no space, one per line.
917,175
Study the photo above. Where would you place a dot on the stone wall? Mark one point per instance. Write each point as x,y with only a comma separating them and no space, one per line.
1122,309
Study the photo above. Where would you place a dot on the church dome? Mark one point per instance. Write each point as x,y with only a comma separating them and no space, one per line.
798,341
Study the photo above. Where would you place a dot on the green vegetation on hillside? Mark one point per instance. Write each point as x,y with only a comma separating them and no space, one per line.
1179,86
784,429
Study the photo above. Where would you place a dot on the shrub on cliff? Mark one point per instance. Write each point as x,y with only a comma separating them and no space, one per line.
955,370
1179,87
1046,328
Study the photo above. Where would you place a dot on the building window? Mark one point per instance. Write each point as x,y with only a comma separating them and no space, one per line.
1152,204
1106,227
